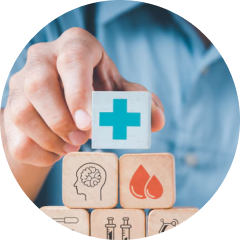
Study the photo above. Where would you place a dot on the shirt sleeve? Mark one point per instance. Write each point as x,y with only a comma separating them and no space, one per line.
18,65
50,32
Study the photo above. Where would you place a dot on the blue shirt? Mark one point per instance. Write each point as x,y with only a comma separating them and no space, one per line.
163,52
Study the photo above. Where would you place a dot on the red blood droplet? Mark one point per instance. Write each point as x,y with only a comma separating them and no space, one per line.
154,188
138,182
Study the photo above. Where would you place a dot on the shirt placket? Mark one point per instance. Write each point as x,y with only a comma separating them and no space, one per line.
189,151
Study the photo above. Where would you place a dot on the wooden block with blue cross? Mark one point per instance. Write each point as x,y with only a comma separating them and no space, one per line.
121,120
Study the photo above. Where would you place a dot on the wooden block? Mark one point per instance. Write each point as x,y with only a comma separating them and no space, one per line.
161,220
147,180
90,180
74,219
118,224
121,120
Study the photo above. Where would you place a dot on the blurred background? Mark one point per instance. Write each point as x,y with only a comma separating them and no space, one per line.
217,23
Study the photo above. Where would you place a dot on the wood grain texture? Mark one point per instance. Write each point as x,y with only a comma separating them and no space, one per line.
161,220
90,180
102,227
137,137
74,219
147,180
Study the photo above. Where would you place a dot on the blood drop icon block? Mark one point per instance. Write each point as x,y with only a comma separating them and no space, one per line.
147,180
121,120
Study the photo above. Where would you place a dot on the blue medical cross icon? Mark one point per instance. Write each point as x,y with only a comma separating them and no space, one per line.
119,119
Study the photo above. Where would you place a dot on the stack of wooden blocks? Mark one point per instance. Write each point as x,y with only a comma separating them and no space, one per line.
143,181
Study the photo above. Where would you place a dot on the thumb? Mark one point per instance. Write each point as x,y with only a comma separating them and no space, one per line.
157,110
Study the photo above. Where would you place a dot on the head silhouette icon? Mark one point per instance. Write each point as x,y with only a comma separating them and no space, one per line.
91,178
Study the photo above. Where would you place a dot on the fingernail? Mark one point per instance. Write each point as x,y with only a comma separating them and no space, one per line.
77,137
162,114
158,104
160,111
162,117
70,148
82,119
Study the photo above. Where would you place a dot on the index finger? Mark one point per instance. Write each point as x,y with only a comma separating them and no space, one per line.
78,55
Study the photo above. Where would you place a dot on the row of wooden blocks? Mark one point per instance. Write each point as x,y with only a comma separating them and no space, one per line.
119,224
146,181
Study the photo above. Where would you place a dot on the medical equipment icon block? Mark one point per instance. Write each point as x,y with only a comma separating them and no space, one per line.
125,229
74,219
161,220
118,224
163,234
147,180
90,180
110,228
121,120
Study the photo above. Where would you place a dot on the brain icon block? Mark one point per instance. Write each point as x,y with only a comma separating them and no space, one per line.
90,177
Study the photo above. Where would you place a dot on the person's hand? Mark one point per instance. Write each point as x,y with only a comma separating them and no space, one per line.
48,113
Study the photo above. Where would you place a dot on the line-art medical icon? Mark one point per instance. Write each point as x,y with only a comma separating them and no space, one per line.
125,229
66,220
91,178
119,119
110,229
110,226
142,186
166,225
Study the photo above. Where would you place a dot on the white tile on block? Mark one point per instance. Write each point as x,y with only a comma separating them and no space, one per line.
138,137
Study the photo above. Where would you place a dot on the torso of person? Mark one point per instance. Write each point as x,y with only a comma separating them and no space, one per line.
164,53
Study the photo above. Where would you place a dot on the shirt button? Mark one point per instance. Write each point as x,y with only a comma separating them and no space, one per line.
191,159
